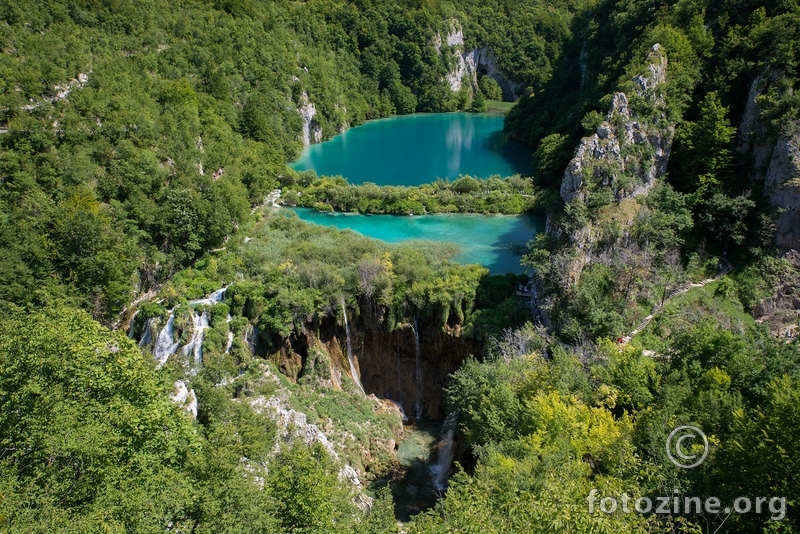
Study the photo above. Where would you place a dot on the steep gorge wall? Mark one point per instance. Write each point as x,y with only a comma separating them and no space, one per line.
775,162
386,360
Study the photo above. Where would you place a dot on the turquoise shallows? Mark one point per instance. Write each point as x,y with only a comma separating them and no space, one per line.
483,239
418,149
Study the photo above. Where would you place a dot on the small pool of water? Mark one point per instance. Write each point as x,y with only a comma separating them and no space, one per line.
413,488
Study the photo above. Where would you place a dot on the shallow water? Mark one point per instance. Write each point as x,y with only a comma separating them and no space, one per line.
483,239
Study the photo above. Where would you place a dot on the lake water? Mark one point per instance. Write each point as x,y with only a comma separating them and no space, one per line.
483,239
418,149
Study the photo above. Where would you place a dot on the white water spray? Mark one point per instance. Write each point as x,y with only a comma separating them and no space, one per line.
250,335
166,345
147,335
353,371
165,342
228,346
195,345
444,459
417,371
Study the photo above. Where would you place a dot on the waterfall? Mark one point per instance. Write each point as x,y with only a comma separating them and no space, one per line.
214,298
353,371
399,407
417,371
444,458
250,336
132,326
147,335
195,344
230,335
165,342
166,346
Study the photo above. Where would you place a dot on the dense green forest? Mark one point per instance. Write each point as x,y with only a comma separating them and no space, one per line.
138,141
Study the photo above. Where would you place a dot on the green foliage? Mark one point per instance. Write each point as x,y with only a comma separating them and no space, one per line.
511,195
380,519
478,103
490,88
551,158
103,424
308,496
139,137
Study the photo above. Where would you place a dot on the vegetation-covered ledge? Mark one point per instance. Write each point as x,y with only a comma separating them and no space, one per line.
511,196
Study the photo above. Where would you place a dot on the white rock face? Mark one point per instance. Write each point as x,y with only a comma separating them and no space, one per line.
311,129
292,424
470,64
185,397
600,156
62,91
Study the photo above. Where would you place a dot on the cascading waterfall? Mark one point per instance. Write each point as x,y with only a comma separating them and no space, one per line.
166,345
353,371
228,346
400,408
195,345
147,335
165,342
250,335
214,298
417,371
444,459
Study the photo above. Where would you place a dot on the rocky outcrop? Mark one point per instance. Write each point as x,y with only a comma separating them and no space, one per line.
774,162
781,310
472,64
312,132
782,187
627,153
292,425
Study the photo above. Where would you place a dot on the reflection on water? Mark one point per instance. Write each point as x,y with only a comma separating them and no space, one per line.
418,149
460,136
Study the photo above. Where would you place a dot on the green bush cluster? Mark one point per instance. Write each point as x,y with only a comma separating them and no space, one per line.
512,195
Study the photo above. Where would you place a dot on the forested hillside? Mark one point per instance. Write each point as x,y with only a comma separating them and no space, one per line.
177,356
121,119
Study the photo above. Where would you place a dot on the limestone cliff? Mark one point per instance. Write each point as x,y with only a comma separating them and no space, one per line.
469,65
627,153
408,365
312,132
782,187
775,162
610,174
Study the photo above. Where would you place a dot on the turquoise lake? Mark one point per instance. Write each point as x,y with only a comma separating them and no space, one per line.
418,149
483,239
